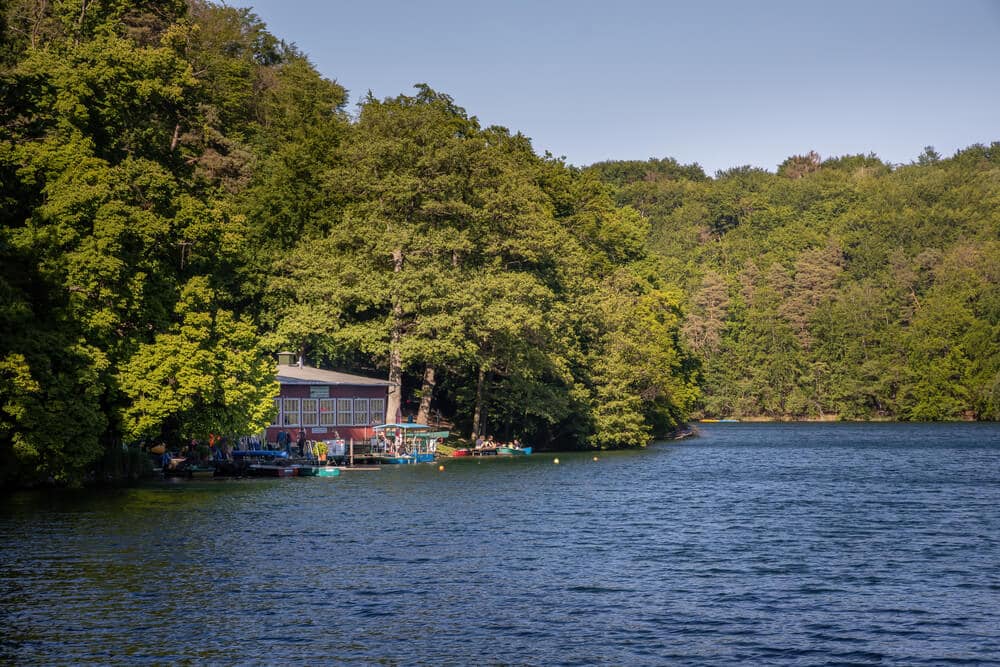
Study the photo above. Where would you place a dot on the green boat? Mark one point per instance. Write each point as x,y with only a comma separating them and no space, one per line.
327,472
513,451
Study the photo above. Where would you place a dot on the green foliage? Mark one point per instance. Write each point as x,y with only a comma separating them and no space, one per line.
838,287
182,193
206,374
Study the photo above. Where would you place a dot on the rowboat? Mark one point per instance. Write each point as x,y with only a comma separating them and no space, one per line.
504,450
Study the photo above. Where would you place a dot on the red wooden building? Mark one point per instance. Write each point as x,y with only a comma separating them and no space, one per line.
323,402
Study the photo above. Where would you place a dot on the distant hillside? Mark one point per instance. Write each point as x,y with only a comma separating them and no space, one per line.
844,286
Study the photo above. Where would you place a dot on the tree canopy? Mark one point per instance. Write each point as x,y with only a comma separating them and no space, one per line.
182,194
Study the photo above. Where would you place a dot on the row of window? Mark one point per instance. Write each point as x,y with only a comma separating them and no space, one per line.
329,411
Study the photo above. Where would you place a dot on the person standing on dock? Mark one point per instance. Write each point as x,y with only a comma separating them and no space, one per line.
301,442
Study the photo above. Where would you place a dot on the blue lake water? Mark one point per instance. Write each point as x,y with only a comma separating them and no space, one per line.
752,544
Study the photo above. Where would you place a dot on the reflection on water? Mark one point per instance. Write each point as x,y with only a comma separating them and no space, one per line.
795,544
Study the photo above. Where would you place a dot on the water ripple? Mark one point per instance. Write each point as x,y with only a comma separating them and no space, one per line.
754,544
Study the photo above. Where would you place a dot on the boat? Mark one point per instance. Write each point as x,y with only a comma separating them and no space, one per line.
415,443
266,454
485,451
504,450
306,470
424,457
184,468
327,471
464,451
266,470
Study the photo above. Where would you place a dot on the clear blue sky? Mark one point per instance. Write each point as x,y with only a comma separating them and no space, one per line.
719,82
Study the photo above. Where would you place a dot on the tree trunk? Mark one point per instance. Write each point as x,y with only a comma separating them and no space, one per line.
176,138
426,393
477,415
394,406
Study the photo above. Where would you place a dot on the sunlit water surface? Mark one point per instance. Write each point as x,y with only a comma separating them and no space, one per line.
752,544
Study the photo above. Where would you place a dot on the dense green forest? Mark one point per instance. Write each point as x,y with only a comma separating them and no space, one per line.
182,194
841,288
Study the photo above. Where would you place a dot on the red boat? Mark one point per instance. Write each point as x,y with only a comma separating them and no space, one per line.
462,452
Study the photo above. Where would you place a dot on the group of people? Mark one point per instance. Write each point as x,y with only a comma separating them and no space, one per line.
489,443
299,445
395,445
386,445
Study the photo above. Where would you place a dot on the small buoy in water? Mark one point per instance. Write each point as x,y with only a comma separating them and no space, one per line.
556,461
595,458
441,468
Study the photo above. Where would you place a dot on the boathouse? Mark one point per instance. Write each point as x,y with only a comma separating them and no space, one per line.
322,402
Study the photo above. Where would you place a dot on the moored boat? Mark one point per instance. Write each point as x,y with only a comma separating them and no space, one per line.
410,443
420,457
504,450
264,470
484,451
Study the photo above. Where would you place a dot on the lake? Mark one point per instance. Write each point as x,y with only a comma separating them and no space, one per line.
751,544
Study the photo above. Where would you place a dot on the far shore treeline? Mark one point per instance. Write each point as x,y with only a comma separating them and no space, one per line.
183,195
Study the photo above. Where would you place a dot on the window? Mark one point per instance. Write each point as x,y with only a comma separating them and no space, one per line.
290,414
360,410
327,412
376,408
310,406
276,420
344,414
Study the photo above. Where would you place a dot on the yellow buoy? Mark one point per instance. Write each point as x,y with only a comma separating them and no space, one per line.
556,461
441,468
595,458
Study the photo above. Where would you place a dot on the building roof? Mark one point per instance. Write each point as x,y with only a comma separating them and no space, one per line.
316,376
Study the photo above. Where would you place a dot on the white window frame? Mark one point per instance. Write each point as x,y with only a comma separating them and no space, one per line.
376,410
345,411
360,411
290,412
276,421
310,411
327,412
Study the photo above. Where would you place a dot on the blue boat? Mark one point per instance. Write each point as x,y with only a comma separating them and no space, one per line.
504,450
406,458
415,443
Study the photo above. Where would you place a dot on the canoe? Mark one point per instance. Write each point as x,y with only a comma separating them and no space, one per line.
306,471
327,471
513,451
462,452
